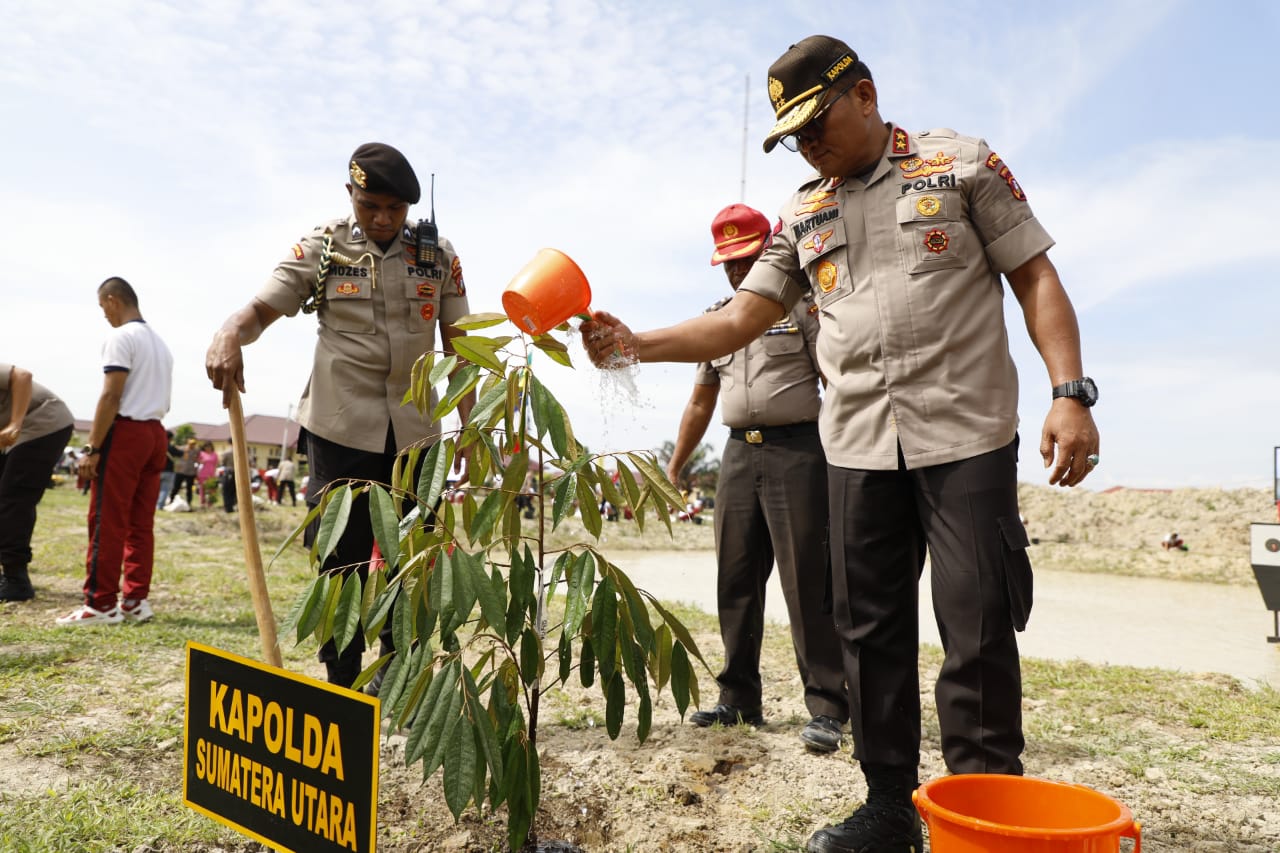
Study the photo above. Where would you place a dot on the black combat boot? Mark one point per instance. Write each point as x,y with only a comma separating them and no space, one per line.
886,823
15,584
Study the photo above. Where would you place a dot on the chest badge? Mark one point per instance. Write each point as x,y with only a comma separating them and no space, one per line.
929,206
428,311
828,275
820,200
426,291
347,288
936,241
818,242
916,167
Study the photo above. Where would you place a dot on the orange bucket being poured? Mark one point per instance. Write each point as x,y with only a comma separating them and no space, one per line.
549,290
993,813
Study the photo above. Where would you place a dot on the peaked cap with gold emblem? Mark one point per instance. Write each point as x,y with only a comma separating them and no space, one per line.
798,79
739,232
376,167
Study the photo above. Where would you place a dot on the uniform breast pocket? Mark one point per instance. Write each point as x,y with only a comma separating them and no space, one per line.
423,298
783,344
724,366
934,233
349,305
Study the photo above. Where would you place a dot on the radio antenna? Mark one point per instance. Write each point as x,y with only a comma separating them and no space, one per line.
433,196
746,96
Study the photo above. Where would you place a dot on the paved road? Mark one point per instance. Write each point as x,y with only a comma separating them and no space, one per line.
1192,627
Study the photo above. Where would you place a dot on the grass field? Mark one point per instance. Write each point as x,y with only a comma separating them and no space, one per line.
91,719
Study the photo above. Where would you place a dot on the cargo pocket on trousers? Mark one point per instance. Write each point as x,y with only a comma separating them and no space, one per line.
1017,570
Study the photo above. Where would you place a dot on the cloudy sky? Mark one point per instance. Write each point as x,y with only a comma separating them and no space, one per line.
186,146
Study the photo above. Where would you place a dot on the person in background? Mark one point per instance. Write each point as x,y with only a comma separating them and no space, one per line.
285,481
167,476
207,473
35,427
226,476
123,461
185,467
773,497
902,238
377,314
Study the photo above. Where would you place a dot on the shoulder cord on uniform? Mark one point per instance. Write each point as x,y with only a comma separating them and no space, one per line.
327,257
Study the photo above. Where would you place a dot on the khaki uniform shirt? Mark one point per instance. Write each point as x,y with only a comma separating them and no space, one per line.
46,414
379,315
906,268
772,381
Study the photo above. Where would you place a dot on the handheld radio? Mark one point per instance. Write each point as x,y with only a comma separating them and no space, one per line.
428,248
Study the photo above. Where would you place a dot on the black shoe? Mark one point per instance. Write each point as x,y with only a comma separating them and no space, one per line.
16,589
879,826
823,734
727,715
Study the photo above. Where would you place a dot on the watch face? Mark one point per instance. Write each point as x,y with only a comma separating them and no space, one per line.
1089,391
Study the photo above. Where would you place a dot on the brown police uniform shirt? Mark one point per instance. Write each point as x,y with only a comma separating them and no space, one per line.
905,267
46,414
372,330
772,381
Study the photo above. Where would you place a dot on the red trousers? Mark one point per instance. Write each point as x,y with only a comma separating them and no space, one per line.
122,511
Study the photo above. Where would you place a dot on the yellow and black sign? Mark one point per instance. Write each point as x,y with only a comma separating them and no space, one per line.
287,760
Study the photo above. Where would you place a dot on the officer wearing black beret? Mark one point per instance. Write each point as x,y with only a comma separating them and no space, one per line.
380,299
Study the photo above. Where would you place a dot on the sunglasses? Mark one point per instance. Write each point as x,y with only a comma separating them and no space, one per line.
813,128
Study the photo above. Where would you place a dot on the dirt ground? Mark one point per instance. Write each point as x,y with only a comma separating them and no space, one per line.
746,791
750,791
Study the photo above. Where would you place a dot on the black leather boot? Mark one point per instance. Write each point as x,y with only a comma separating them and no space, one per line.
886,823
15,584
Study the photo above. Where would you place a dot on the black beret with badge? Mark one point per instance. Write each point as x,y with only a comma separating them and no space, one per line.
376,167
798,79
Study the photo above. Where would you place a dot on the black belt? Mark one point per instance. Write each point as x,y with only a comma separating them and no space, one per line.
759,435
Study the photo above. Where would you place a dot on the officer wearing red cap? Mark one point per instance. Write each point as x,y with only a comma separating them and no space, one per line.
902,239
771,498
379,303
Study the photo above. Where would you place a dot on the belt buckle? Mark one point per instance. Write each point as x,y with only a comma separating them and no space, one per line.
754,436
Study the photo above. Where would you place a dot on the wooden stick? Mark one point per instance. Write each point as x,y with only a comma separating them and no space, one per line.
249,533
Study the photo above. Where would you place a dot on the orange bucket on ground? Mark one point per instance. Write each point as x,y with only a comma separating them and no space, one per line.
993,813
549,290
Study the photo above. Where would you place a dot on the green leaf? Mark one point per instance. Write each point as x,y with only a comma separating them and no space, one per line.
346,620
609,488
680,674
441,369
434,474
379,597
628,481
662,640
483,725
479,350
635,606
463,380
403,617
430,706
547,407
493,599
589,508
530,657
479,320
581,579
386,525
615,705
657,479
489,404
334,521
678,629
555,350
312,514
313,610
562,499
297,610
587,664
565,650
561,568
443,722
482,525
604,628
325,631
644,718
459,766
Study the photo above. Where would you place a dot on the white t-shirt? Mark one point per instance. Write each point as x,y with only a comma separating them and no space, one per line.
136,348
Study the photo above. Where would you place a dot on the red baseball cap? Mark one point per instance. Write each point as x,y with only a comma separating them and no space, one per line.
739,232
